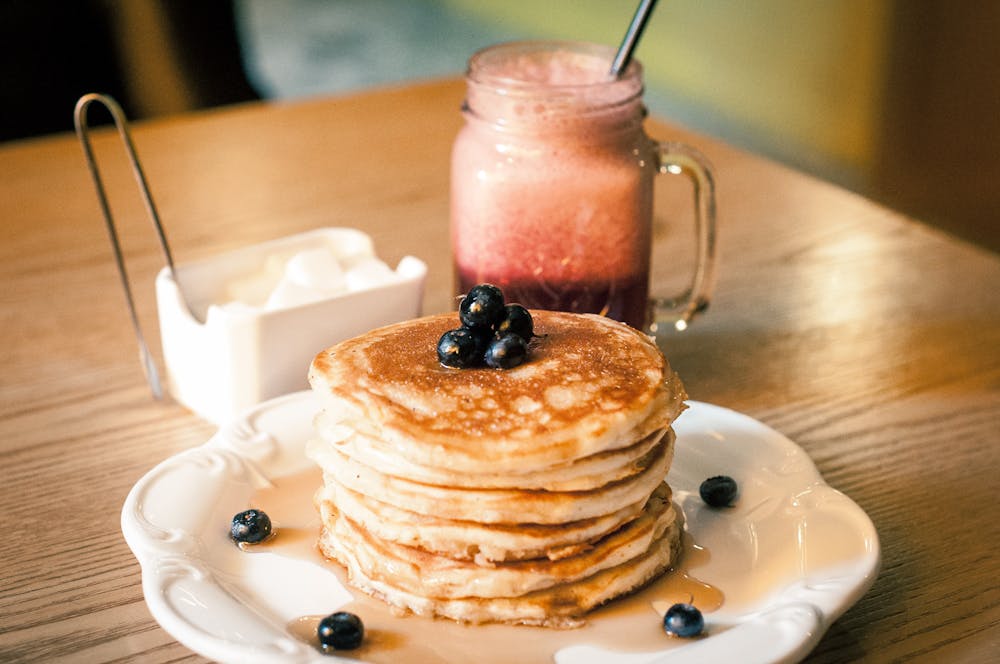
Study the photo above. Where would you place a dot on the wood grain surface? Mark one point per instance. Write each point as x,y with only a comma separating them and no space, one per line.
864,336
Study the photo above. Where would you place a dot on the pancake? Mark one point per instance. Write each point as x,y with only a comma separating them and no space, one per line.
591,384
526,495
587,473
502,505
469,540
415,570
563,605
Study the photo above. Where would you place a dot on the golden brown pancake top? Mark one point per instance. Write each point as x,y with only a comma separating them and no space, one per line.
582,372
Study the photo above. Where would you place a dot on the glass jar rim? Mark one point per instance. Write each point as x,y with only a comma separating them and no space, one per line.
478,71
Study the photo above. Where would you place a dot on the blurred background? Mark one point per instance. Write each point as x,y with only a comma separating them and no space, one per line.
898,100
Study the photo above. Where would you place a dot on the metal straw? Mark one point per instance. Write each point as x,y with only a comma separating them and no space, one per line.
624,55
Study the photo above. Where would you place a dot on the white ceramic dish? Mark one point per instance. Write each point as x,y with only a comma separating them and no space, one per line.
222,360
791,557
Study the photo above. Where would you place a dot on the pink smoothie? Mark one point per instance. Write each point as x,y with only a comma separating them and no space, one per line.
552,184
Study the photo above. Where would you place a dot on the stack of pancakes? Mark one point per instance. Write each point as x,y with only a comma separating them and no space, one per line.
528,495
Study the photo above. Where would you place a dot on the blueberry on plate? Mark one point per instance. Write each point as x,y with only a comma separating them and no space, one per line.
250,526
506,351
482,306
683,620
718,491
341,631
517,320
459,349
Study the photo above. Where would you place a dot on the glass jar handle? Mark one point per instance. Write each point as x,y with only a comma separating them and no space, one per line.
681,159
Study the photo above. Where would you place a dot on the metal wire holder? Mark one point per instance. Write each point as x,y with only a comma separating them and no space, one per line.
83,133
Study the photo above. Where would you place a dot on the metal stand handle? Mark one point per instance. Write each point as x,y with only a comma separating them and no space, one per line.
82,132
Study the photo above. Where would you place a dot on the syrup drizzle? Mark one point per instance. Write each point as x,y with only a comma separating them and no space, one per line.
627,624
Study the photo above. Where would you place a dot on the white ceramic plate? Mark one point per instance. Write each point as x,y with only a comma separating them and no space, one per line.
790,557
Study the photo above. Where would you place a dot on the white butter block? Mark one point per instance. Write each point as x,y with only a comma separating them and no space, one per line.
368,273
316,268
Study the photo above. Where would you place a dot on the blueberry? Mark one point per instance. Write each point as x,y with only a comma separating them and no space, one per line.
251,526
506,351
482,306
341,631
483,336
683,620
517,320
718,491
460,349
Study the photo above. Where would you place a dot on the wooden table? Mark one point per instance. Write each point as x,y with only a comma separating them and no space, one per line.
864,336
